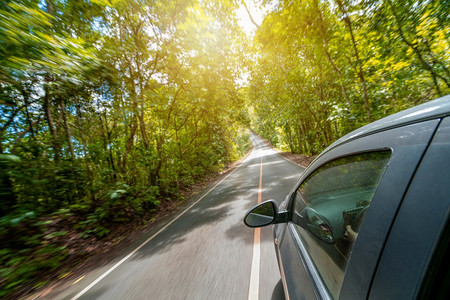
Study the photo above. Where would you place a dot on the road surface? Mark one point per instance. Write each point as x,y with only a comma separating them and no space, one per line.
204,251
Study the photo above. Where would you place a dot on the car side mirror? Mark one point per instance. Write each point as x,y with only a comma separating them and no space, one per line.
263,214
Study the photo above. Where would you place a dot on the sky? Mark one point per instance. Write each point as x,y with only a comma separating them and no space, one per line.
244,19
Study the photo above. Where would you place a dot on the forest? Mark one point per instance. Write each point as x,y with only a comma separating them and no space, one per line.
110,107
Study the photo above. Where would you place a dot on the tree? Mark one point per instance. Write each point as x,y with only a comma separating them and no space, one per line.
325,69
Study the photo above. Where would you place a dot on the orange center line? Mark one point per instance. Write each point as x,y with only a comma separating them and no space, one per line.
253,293
260,182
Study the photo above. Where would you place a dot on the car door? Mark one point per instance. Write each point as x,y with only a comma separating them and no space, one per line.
417,247
363,179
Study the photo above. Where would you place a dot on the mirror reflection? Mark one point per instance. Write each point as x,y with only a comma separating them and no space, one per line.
319,227
261,215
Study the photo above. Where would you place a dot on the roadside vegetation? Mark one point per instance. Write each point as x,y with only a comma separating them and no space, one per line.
325,68
107,109
111,109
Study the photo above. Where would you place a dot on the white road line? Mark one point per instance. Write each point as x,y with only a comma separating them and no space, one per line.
148,240
253,291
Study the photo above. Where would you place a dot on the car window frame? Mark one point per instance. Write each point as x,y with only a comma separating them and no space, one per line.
408,144
321,285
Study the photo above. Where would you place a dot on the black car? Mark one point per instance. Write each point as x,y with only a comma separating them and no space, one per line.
368,218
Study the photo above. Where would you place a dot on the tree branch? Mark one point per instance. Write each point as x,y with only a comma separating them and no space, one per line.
250,15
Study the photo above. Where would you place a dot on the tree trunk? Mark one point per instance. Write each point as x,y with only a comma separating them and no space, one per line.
84,143
358,59
143,130
8,200
301,135
106,134
66,128
50,6
51,126
129,144
330,60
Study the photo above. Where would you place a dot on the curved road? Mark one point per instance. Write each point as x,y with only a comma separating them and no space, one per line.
205,251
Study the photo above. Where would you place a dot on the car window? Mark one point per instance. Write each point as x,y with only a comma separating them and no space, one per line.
330,206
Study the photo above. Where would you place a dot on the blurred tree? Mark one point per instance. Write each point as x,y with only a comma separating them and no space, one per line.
106,108
325,68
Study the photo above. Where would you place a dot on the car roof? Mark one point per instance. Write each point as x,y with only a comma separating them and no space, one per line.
430,110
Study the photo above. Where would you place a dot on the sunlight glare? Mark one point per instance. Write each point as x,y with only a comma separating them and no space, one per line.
244,19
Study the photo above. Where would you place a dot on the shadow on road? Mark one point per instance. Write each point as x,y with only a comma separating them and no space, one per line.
215,208
93,294
236,232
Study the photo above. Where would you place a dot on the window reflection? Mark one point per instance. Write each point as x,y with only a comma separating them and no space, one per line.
340,193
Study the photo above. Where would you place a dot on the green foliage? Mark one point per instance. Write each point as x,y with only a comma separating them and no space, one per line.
20,267
108,107
322,68
26,249
243,142
30,45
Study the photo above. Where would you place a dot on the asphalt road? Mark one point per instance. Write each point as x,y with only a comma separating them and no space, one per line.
204,251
